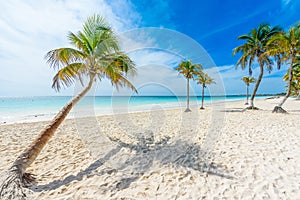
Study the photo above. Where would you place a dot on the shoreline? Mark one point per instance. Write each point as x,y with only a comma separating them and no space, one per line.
40,117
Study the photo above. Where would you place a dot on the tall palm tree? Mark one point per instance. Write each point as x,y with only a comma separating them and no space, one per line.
204,80
253,49
248,80
189,70
287,46
96,55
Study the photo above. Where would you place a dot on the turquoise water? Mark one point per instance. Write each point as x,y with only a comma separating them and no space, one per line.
19,109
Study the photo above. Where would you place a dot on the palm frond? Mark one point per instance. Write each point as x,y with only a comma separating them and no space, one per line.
58,58
106,46
122,81
95,24
203,78
78,42
238,50
243,60
246,37
97,31
269,64
248,79
118,61
87,42
67,75
188,69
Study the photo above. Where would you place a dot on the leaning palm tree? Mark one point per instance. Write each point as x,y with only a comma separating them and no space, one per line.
287,46
96,55
204,80
189,70
248,80
253,49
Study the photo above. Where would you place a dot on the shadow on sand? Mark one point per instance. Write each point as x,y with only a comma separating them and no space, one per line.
141,160
234,110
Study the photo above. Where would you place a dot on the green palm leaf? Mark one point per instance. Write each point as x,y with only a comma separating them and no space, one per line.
58,58
204,79
68,75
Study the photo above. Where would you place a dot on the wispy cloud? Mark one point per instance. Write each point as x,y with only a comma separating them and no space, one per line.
31,28
231,77
286,2
289,9
237,22
155,13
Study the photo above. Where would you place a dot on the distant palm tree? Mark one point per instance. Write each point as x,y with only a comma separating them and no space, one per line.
96,54
255,47
189,70
248,80
204,80
287,46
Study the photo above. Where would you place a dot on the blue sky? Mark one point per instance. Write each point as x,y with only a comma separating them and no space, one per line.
204,31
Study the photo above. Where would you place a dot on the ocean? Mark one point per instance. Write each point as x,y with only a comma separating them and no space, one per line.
25,109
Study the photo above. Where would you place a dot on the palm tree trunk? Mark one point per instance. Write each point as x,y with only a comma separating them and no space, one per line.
202,96
279,109
188,96
17,171
247,94
256,86
30,154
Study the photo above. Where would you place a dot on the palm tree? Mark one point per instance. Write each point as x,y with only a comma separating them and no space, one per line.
248,80
287,47
96,54
204,80
255,47
189,70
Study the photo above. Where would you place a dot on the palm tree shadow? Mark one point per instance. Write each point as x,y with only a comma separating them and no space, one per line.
295,111
88,171
144,154
178,153
234,110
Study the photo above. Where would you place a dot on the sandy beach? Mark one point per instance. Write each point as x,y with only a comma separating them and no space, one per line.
217,153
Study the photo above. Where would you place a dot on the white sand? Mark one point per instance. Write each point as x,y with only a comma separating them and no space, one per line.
217,153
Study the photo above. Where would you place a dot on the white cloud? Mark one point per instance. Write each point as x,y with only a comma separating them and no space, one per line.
31,28
231,78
